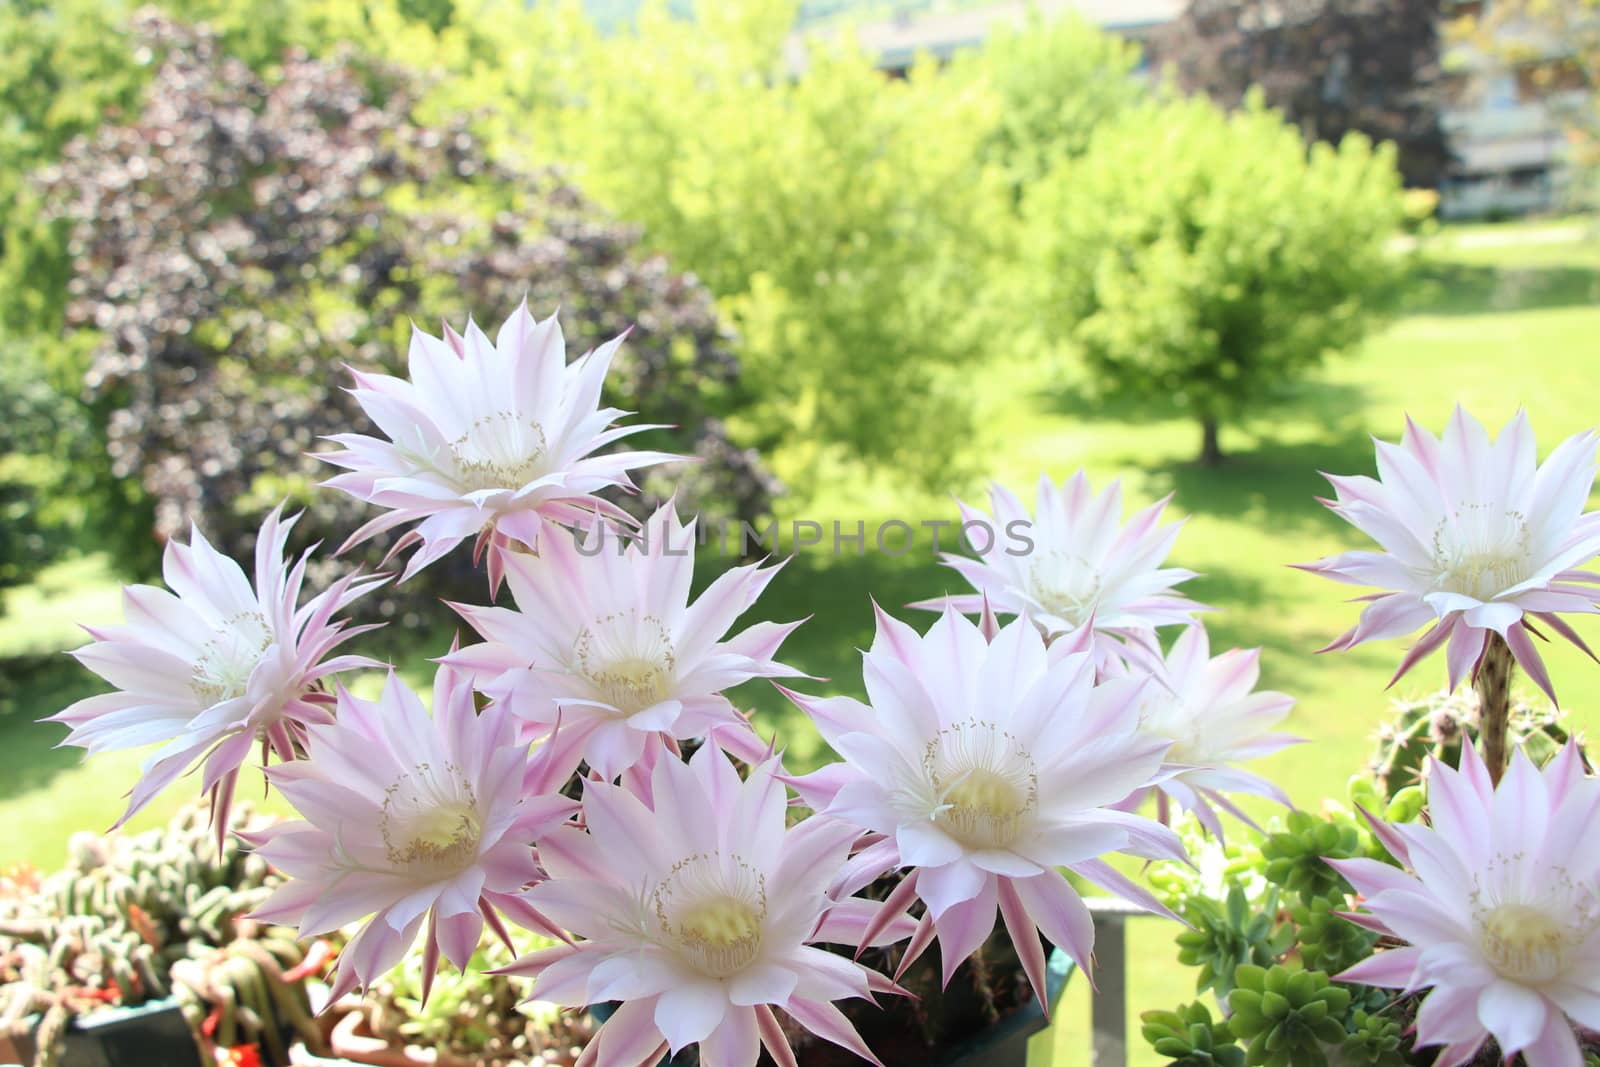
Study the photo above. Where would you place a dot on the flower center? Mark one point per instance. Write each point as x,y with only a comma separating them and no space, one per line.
222,669
499,451
984,810
1523,943
713,908
1170,718
629,659
1067,586
430,821
1482,552
720,922
985,782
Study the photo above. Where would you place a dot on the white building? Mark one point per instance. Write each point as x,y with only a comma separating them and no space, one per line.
921,26
1508,142
1507,135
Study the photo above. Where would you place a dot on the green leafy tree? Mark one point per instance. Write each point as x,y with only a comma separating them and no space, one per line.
844,219
1057,80
1200,261
65,67
44,439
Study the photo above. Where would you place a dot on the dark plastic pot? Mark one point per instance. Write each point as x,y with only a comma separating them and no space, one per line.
1005,1044
151,1035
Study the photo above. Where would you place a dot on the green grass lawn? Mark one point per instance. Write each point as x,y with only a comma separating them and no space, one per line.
1493,328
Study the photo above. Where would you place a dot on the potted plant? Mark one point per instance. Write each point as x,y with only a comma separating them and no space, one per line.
136,953
463,1019
1272,908
581,773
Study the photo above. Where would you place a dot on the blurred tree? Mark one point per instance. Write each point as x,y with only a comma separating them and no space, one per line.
1057,80
1332,66
44,438
1553,46
1201,260
242,240
65,66
844,219
831,211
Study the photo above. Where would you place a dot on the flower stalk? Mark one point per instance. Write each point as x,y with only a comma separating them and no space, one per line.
1493,684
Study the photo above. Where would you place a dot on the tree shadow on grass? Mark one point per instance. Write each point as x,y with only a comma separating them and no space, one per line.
1269,484
1452,288
1251,609
32,687
1311,399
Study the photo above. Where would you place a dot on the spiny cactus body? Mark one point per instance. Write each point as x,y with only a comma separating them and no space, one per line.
1435,725
129,917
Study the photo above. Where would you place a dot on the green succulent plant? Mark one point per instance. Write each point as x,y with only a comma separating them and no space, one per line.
136,917
1287,1017
1295,856
1227,934
1327,941
1373,1040
1404,806
243,987
1190,1038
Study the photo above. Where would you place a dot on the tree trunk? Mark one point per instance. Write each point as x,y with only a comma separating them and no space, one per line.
1210,450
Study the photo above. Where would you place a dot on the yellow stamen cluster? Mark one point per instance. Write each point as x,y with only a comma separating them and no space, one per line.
985,783
430,821
713,908
630,661
1523,943
1480,553
1067,586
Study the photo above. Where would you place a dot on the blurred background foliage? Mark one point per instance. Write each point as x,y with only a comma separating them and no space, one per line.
1203,281
244,240
212,205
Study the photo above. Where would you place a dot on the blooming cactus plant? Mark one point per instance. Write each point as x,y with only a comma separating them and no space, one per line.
489,439
1481,545
1073,564
548,787
699,910
987,764
215,666
606,644
409,817
1499,912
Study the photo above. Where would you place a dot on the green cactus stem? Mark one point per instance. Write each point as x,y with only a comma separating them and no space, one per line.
1492,683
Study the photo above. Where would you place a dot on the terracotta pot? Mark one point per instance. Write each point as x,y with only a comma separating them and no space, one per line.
353,1043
